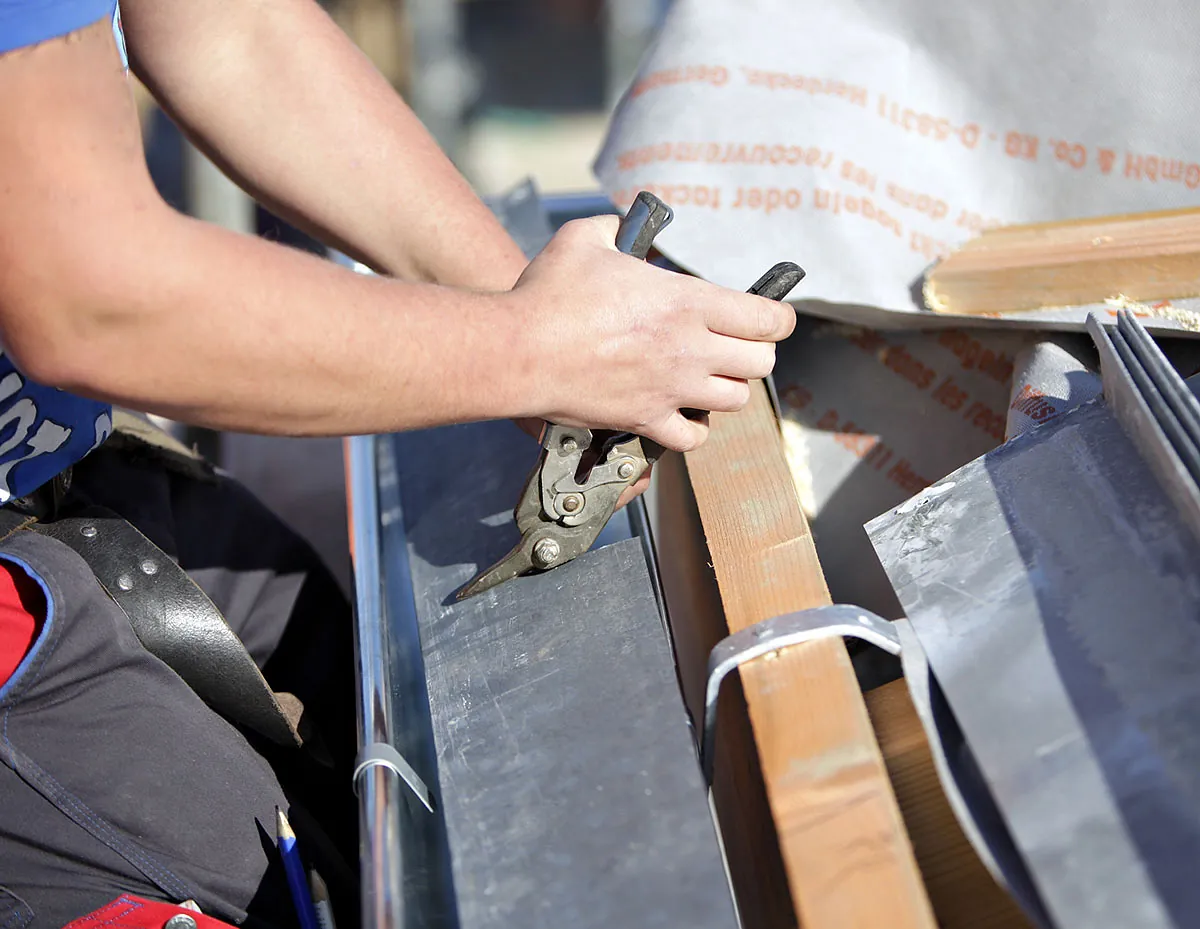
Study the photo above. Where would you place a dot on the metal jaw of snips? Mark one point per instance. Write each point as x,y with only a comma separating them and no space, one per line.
559,516
572,491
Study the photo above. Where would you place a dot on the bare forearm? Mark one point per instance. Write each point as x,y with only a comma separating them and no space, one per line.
304,121
106,291
222,330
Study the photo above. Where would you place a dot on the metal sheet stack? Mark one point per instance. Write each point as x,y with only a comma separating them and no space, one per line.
1053,586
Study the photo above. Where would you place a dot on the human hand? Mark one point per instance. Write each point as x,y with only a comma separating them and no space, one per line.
620,344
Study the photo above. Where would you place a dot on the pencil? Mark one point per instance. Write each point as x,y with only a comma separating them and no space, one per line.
294,867
320,895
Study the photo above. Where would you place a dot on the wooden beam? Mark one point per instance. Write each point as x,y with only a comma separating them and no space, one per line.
814,764
963,893
1144,257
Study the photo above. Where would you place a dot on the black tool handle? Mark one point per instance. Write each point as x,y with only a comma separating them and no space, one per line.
646,218
778,282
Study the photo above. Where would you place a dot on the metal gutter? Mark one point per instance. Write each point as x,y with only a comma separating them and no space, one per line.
404,854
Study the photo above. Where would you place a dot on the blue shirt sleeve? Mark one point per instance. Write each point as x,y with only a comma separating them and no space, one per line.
27,22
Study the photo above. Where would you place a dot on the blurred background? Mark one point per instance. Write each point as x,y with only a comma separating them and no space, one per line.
511,89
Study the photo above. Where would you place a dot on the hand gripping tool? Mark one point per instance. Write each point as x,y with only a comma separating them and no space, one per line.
580,474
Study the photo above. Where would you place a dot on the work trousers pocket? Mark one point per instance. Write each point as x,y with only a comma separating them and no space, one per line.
14,912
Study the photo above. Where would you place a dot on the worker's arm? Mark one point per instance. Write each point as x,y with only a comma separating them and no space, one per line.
106,291
278,95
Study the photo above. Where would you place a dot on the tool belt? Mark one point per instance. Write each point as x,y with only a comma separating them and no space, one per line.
172,617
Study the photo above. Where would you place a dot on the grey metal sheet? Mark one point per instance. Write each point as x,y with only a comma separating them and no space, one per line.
1170,382
1057,597
566,771
1141,409
958,772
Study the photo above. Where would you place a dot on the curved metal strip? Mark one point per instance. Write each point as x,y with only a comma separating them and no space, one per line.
380,753
779,632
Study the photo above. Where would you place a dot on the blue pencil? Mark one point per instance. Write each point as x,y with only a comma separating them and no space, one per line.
297,881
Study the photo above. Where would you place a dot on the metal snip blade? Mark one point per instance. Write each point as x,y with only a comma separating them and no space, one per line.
517,562
569,542
527,516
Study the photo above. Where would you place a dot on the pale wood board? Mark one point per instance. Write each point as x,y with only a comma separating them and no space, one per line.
843,844
1143,257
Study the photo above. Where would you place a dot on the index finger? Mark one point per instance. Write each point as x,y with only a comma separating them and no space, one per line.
745,316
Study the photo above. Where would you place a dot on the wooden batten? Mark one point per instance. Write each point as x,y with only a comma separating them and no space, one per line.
1144,257
962,890
811,825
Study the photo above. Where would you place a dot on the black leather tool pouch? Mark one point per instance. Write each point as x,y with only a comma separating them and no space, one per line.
173,618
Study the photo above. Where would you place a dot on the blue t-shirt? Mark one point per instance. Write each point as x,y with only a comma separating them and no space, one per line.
27,22
44,430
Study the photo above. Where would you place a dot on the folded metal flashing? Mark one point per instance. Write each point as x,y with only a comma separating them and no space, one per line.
565,768
1054,586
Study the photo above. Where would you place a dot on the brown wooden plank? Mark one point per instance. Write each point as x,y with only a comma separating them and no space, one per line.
844,849
1144,257
962,891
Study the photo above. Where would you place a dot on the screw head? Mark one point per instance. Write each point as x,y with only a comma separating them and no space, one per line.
88,532
149,567
546,552
569,445
625,470
571,503
180,921
125,582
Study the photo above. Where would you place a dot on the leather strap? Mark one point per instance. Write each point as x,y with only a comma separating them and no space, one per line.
173,618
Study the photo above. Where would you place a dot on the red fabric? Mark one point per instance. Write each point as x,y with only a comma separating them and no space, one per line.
22,610
130,912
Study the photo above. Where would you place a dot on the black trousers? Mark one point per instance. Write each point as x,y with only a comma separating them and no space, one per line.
115,777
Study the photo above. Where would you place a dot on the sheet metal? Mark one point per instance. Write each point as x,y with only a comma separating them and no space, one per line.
405,857
1138,381
962,783
566,772
1056,593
